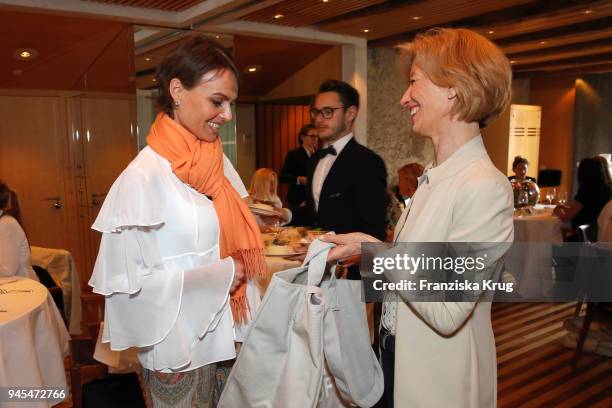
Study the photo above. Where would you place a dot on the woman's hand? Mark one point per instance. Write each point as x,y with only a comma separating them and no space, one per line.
239,275
559,211
347,245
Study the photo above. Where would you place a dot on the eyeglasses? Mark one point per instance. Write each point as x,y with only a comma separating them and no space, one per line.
326,112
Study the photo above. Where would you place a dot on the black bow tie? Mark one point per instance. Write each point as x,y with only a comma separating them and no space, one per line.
321,153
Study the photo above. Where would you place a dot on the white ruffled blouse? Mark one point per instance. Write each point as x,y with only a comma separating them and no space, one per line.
159,267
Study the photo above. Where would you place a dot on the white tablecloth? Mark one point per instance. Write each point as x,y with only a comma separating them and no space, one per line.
532,267
60,265
33,340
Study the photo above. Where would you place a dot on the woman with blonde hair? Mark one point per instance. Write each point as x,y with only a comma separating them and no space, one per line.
445,354
264,190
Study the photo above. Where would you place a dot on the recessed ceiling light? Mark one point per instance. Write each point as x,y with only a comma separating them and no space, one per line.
279,16
324,1
251,69
417,18
491,32
543,42
588,11
513,61
25,54
366,30
147,59
217,36
154,80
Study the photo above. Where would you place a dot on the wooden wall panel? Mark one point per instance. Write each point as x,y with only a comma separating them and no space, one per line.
556,96
277,129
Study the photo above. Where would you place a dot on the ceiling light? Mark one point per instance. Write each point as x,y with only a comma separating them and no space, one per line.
217,36
154,80
416,18
147,59
279,16
543,42
491,32
366,30
25,54
513,61
251,69
588,11
324,1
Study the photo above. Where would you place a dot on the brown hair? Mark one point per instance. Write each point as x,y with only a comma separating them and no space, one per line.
9,204
519,160
304,131
188,63
472,65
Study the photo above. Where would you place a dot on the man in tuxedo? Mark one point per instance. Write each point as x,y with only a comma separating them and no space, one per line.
347,182
294,173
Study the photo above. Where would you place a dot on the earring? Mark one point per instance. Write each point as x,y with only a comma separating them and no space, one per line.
177,104
451,97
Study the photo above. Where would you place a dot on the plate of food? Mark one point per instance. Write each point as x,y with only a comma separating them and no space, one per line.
264,209
284,248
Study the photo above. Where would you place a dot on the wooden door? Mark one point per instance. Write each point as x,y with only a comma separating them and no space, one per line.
33,139
109,144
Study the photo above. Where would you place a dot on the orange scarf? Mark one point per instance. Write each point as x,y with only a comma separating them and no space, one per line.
200,165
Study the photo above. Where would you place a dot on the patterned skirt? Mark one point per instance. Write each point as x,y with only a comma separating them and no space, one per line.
199,388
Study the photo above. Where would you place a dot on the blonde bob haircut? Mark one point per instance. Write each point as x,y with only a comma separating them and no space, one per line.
264,185
472,65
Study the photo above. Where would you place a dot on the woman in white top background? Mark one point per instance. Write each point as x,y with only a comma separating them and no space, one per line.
14,246
264,189
178,238
445,351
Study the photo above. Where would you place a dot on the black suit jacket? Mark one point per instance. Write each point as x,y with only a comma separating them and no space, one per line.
295,165
354,193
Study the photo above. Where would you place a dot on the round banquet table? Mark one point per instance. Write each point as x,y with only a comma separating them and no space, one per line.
531,265
33,341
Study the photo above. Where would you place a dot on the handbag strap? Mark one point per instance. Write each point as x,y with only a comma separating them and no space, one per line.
316,259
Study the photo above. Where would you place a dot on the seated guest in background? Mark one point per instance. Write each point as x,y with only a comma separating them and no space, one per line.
444,352
520,165
293,173
593,194
264,185
14,246
400,195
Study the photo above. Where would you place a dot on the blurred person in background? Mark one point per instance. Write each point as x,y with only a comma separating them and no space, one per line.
14,246
264,190
294,170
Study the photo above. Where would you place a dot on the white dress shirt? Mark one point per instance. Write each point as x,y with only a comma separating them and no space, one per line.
324,165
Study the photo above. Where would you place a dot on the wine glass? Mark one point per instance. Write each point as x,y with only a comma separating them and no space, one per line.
551,193
562,198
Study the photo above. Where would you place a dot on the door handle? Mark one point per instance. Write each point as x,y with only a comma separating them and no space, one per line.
95,198
57,204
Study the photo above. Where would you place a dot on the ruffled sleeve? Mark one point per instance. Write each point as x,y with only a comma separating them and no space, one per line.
134,200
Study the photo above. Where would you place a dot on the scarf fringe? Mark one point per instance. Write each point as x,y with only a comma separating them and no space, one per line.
240,308
254,262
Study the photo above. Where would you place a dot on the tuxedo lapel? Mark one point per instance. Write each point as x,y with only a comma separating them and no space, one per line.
335,172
